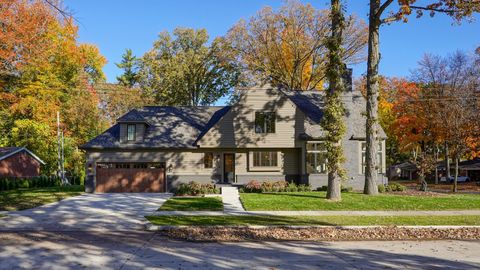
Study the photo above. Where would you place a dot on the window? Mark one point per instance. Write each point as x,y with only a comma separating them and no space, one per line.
140,165
316,158
264,122
131,129
122,165
380,153
208,160
265,159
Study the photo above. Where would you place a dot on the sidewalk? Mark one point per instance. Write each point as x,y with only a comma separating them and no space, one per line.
321,213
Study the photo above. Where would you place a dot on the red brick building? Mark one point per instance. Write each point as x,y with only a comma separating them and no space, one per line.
19,162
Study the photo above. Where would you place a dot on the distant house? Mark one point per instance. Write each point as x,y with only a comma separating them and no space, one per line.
269,134
19,162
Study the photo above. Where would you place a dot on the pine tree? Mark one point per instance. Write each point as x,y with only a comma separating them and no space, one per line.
129,66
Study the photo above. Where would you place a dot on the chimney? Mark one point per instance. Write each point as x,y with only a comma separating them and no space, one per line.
347,79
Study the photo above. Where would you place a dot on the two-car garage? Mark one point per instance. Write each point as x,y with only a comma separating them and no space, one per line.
130,177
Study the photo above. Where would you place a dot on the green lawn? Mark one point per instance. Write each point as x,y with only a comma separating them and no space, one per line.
356,201
314,220
193,204
21,199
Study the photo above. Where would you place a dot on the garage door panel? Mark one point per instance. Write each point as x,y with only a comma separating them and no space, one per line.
130,180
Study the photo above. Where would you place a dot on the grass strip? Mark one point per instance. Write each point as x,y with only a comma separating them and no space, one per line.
20,199
193,204
314,220
301,201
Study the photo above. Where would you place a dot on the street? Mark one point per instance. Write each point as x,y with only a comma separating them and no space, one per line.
147,250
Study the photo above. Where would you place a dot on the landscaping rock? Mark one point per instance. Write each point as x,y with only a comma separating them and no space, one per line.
320,233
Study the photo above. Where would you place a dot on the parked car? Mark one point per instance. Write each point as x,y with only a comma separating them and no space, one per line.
452,178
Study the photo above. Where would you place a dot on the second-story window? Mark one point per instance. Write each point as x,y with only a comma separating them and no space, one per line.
131,130
264,122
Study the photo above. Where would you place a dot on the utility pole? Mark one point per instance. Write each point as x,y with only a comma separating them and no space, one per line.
61,157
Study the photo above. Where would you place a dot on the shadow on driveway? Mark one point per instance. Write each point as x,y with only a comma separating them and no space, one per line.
143,250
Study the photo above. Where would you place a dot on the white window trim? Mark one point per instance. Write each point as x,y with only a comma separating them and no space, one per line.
255,123
313,151
263,168
213,161
383,161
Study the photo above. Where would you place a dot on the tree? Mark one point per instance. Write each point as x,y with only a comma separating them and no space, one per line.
129,64
388,88
334,112
288,47
49,72
183,70
457,9
118,99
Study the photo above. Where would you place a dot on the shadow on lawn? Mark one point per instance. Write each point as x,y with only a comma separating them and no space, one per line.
140,250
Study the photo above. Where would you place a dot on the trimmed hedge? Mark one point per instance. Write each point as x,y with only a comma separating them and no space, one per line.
9,183
273,186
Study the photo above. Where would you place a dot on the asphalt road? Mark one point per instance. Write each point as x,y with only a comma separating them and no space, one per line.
147,250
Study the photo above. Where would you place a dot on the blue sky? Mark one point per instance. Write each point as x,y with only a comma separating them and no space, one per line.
114,25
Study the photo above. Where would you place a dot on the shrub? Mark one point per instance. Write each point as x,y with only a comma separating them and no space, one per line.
346,189
381,188
304,187
194,188
253,187
322,188
395,187
292,187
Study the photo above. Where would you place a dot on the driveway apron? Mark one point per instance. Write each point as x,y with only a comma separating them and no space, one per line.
88,212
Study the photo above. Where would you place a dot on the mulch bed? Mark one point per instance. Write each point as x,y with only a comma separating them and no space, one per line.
285,233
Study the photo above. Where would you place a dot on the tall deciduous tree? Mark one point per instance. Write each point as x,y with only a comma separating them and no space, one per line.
458,9
51,72
184,70
334,112
288,47
129,64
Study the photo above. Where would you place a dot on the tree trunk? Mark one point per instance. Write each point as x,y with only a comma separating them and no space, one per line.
455,180
447,163
423,183
335,88
372,99
436,167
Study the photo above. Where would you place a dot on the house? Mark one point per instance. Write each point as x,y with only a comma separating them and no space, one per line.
470,168
19,162
403,171
269,134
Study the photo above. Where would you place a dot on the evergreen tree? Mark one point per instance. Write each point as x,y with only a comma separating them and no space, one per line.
130,67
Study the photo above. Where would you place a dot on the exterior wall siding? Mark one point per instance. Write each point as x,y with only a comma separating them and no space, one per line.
19,165
237,128
186,166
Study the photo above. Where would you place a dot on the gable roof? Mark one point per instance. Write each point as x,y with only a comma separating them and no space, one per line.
312,104
169,127
6,152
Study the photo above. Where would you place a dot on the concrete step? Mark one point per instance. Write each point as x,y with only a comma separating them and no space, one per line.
230,190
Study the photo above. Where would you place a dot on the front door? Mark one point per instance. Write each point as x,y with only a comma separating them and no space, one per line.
228,167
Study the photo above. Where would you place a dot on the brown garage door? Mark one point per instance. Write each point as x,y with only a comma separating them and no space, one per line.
125,178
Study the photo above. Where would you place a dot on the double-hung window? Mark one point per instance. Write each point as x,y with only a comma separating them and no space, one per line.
131,130
264,122
316,158
380,154
208,160
265,159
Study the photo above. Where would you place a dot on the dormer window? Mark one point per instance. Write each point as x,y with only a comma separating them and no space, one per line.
264,122
131,131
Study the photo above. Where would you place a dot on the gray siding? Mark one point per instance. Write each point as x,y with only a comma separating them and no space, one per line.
236,128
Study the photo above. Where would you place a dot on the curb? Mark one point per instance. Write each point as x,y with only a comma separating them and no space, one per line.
151,227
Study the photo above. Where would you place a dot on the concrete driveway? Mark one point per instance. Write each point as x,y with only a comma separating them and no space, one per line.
88,212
